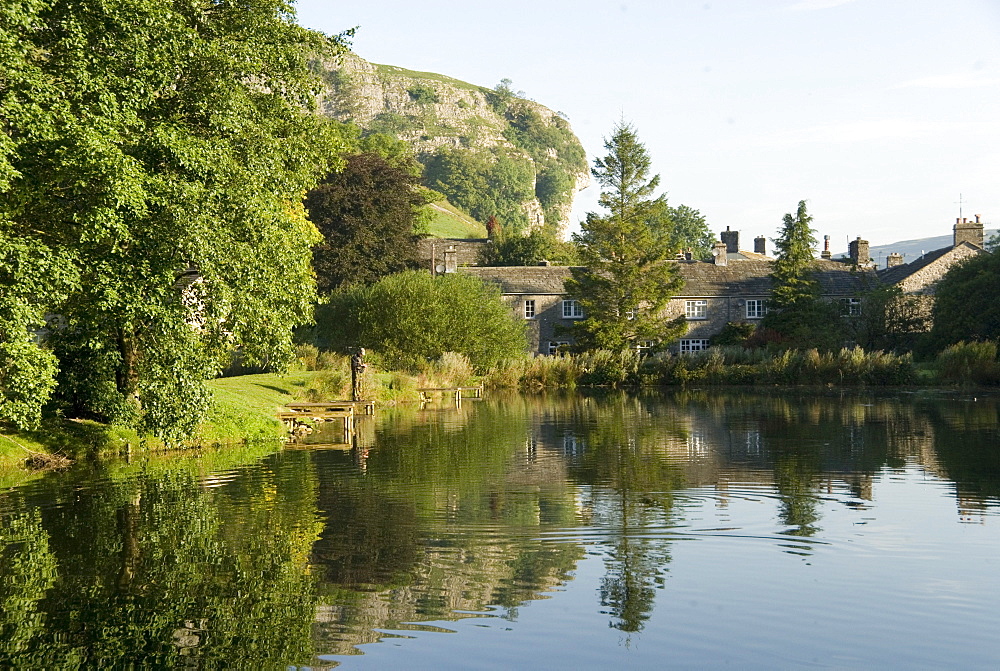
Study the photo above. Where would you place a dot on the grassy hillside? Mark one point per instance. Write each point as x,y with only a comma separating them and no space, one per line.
450,222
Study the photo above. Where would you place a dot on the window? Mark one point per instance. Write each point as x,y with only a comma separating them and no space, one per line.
756,309
695,309
630,314
645,345
529,309
693,345
554,346
850,307
572,309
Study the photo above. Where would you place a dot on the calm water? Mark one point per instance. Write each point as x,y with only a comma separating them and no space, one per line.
695,530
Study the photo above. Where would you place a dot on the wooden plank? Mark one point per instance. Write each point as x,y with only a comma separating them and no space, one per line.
318,414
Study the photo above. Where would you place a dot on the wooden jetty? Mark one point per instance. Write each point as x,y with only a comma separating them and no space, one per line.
299,416
455,392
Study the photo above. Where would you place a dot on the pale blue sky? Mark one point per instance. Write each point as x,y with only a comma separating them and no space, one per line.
878,112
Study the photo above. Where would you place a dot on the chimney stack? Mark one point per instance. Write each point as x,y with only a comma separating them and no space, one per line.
719,253
893,260
450,259
760,245
858,250
732,240
825,254
968,231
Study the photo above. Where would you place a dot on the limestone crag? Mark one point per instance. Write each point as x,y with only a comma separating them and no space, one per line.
431,111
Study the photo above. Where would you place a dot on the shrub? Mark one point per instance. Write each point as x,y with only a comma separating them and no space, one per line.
412,317
969,362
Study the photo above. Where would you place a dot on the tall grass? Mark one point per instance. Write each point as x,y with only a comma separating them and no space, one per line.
715,366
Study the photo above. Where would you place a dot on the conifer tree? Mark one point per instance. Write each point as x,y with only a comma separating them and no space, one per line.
797,311
626,280
793,269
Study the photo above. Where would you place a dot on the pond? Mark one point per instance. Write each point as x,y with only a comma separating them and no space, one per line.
685,530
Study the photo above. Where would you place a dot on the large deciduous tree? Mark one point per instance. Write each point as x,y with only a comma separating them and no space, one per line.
366,214
965,305
142,139
626,279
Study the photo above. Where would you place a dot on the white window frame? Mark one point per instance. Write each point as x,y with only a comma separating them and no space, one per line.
696,309
529,308
756,308
554,346
571,309
645,345
631,314
689,345
850,307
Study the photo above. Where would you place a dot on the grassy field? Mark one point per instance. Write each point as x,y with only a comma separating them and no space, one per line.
450,222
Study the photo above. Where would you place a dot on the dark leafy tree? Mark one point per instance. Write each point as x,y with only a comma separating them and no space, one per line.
965,305
627,279
890,320
366,215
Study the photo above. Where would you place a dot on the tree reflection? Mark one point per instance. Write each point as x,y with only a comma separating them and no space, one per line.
156,571
628,460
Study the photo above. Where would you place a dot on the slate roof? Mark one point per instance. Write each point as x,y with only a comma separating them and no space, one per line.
738,278
897,274
523,279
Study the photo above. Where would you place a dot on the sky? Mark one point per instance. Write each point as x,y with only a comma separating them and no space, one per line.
883,115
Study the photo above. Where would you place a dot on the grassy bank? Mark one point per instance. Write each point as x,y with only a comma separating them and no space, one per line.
243,413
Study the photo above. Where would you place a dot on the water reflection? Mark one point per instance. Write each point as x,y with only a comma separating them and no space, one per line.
439,515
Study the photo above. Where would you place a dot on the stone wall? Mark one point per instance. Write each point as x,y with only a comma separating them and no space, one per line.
923,281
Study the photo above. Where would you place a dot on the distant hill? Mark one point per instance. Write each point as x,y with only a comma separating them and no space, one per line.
913,249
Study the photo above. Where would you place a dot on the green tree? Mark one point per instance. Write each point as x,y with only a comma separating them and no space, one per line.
793,279
798,314
484,184
626,280
141,139
366,214
688,231
413,316
965,306
890,320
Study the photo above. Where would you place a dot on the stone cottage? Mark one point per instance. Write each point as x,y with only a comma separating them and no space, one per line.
734,286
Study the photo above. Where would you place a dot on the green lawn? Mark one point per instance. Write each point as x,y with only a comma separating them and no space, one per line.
450,222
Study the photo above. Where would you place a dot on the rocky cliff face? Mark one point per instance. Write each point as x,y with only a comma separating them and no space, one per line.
434,112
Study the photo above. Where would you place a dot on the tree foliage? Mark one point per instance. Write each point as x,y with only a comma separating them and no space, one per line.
626,280
689,231
797,314
965,305
484,184
143,138
366,214
793,268
415,316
